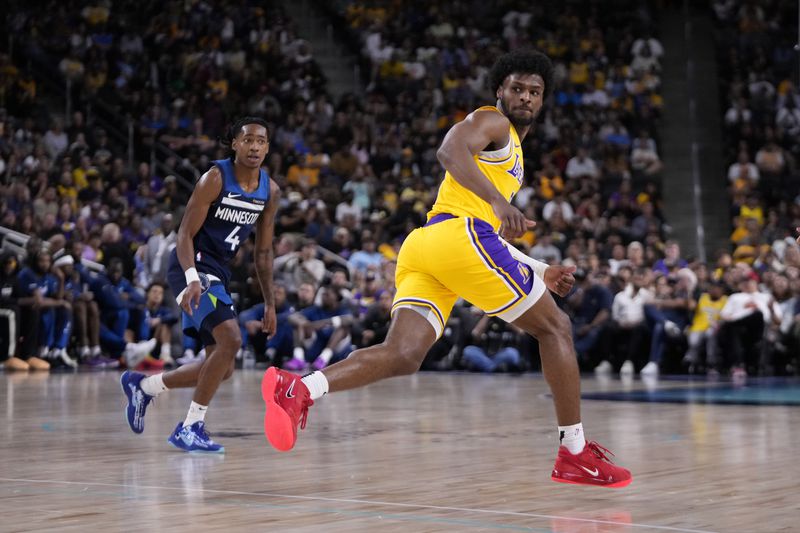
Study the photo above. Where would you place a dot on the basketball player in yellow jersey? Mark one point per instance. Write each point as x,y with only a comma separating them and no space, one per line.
460,252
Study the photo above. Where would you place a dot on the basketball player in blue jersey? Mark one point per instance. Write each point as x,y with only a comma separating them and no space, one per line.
461,252
235,197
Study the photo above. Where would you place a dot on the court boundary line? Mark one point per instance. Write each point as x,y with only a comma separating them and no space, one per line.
353,500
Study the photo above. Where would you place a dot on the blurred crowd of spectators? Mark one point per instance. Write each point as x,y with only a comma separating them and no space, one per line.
758,74
358,175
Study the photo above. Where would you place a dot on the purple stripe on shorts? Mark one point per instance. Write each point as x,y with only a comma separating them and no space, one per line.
508,266
441,217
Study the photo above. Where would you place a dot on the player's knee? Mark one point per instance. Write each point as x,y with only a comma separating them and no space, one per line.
228,339
408,359
557,324
563,324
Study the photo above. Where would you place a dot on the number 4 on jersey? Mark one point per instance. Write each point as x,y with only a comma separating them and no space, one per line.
232,238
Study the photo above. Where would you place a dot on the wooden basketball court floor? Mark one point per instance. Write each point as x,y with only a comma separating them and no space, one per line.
430,452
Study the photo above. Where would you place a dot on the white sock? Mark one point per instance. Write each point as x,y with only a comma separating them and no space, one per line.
572,437
196,413
326,354
96,351
299,354
153,385
166,350
317,384
188,353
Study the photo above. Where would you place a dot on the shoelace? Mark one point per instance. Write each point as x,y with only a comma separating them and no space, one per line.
601,452
304,413
202,433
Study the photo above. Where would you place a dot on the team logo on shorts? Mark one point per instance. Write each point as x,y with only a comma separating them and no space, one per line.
205,283
525,271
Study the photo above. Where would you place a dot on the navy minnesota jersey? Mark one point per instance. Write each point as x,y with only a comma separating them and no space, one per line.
229,222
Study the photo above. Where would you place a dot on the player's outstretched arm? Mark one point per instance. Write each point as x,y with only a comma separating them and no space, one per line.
264,255
479,130
206,191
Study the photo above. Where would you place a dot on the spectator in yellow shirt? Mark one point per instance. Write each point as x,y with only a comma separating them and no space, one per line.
706,325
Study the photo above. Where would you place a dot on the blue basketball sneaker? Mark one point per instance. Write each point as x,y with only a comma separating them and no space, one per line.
137,399
194,439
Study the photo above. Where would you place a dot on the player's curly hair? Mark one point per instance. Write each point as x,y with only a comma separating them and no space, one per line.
237,126
522,61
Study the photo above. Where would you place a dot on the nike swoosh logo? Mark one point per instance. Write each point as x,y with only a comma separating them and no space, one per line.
516,146
290,390
232,195
590,472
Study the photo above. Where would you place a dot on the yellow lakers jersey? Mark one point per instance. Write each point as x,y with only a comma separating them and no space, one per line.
707,312
502,167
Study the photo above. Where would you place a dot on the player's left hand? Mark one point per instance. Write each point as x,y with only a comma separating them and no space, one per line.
559,279
270,323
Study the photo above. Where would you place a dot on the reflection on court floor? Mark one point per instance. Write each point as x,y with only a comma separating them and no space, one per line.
755,391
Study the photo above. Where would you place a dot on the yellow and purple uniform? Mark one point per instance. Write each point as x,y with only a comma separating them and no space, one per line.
459,253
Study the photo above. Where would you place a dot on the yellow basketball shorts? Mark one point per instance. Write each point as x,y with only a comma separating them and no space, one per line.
452,257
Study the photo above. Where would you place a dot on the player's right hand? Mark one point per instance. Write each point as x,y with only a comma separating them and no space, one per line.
513,223
191,297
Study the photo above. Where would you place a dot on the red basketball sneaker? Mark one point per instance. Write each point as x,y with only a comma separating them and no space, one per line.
287,400
590,467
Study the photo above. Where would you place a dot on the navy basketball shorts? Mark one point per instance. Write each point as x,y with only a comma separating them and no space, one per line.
216,305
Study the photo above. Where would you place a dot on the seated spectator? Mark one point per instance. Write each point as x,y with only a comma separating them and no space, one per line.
304,267
155,254
372,329
339,280
667,314
743,174
322,333
590,306
157,324
787,338
64,288
117,297
368,258
37,295
744,317
628,327
493,347
582,166
672,259
770,159
558,204
367,293
705,328
544,250
617,260
348,211
18,358
645,222
644,156
278,347
85,310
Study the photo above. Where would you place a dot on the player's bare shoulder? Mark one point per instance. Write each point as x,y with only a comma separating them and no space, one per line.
489,117
209,185
490,121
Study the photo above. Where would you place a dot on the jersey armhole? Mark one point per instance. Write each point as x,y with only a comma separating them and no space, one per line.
502,153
